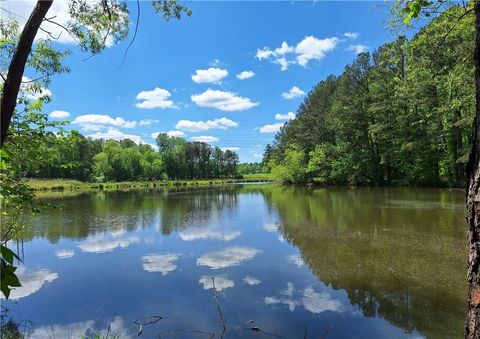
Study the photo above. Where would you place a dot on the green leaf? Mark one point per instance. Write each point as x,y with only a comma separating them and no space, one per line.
8,254
11,279
5,290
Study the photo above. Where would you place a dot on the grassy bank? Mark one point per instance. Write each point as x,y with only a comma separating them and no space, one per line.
75,185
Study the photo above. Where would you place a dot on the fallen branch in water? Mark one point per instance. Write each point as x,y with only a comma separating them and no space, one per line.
224,328
146,321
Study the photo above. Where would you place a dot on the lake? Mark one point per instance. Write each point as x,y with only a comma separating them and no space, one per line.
285,262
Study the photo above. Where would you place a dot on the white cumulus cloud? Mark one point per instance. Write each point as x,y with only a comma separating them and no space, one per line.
205,138
357,49
288,116
176,134
59,114
148,122
95,122
198,126
245,75
264,53
271,128
156,98
351,35
310,48
172,134
222,100
211,75
115,134
284,49
29,89
293,92
283,62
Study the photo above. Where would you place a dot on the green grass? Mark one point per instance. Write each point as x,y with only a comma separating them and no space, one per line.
258,177
54,184
75,185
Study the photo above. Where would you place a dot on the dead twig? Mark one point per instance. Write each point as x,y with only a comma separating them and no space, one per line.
146,321
134,35
224,327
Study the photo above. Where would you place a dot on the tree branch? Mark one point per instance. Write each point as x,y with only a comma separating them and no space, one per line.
107,9
60,25
105,4
50,34
16,68
134,35
36,79
454,26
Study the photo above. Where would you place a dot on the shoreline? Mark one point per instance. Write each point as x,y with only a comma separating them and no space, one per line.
59,185
62,185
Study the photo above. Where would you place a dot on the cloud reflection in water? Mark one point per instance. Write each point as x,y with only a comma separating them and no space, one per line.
31,281
163,263
312,301
64,254
221,283
203,234
106,243
227,257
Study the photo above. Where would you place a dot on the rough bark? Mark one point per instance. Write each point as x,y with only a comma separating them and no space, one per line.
472,324
17,65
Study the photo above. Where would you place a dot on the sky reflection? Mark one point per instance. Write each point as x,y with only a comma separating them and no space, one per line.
227,257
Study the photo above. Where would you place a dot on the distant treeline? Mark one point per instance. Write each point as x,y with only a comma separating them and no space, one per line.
402,115
73,156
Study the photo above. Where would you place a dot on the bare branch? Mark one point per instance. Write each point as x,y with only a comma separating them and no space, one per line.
36,79
17,65
454,26
134,35
105,4
62,26
15,14
107,9
89,57
224,327
50,33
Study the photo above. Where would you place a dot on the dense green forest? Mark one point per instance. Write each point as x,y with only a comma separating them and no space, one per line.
401,115
73,156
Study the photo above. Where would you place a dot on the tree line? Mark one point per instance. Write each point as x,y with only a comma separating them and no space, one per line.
73,156
401,115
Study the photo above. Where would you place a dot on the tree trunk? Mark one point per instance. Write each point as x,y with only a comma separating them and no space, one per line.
17,65
472,324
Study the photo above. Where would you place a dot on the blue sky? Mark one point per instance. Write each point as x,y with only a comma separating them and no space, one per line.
182,75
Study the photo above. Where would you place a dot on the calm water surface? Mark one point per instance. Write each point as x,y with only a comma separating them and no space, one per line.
340,262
